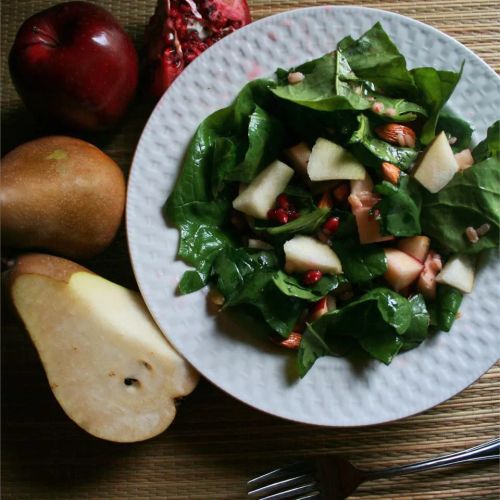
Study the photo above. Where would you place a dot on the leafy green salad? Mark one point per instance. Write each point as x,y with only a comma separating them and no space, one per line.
339,204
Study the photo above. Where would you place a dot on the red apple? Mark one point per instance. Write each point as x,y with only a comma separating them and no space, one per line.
74,65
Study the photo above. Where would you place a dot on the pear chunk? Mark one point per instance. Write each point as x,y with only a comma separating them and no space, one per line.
304,253
260,195
107,363
402,270
437,166
459,273
299,157
329,161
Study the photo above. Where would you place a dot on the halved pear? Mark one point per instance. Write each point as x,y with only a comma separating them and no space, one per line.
459,273
329,161
260,195
304,253
437,166
107,363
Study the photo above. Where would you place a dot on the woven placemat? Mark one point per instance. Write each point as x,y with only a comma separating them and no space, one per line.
217,443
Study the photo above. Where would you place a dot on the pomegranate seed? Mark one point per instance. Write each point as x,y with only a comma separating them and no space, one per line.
282,201
312,277
278,214
331,225
293,214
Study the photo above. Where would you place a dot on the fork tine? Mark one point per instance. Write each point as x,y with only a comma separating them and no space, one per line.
294,492
280,485
288,470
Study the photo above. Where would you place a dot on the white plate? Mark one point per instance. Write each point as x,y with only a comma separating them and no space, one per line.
333,392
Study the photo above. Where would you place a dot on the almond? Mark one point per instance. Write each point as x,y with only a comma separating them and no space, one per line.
390,172
398,134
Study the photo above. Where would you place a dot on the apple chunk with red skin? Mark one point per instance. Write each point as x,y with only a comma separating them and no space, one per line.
74,65
402,270
415,246
107,363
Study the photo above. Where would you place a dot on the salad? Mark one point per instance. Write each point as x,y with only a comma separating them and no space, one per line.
339,205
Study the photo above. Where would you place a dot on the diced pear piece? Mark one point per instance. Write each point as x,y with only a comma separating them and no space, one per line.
459,273
437,166
260,195
416,247
299,157
329,161
402,270
304,253
107,363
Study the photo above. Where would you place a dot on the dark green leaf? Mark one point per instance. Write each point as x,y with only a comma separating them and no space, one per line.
419,326
291,286
448,300
265,142
434,89
375,321
399,207
372,152
472,198
490,146
374,57
455,127
306,224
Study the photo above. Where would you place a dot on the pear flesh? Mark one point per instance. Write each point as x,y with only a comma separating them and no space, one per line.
459,273
438,165
260,195
107,363
329,161
304,253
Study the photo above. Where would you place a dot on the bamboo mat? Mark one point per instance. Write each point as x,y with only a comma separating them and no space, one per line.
217,443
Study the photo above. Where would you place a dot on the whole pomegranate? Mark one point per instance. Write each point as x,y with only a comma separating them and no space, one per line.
180,30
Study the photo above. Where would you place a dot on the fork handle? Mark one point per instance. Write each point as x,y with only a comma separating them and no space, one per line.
485,451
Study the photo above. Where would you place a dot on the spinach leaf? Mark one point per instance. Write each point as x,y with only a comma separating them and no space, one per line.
360,263
372,152
291,286
448,300
399,207
265,141
419,326
376,58
490,146
455,127
375,321
401,110
434,89
322,88
197,205
471,198
306,224
245,277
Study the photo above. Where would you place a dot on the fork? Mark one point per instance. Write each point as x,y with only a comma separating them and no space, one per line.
333,478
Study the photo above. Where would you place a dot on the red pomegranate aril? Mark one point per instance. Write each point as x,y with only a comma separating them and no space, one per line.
281,216
282,201
278,215
312,277
293,214
331,225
